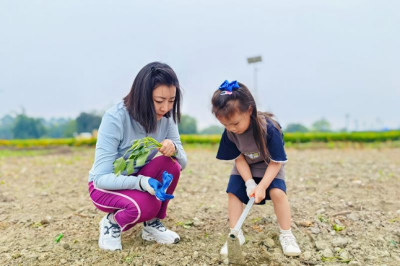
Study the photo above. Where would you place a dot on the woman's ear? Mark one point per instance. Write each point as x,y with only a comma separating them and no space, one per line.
250,111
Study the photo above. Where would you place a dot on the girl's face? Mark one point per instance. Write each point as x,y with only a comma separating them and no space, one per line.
238,123
163,98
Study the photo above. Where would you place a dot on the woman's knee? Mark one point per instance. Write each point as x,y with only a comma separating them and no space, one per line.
169,164
133,212
150,212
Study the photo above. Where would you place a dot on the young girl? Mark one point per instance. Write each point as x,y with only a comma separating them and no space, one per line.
254,140
151,108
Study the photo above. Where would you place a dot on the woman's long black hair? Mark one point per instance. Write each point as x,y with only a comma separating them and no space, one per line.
139,101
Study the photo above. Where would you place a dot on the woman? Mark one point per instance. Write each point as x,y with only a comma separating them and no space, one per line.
152,108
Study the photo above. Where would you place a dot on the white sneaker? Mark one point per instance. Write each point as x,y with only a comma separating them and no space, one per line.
156,231
242,239
110,235
289,245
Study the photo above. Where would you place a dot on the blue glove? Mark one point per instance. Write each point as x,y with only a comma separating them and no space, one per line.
167,179
160,189
155,184
161,193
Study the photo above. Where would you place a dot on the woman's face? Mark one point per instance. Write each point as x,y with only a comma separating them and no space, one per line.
163,98
238,123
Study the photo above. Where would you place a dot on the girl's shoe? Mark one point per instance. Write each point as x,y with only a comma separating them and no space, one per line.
289,245
156,231
242,239
110,235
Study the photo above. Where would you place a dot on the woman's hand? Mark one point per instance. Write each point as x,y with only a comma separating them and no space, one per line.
259,193
168,148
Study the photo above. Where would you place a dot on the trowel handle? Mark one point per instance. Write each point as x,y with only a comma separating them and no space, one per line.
243,216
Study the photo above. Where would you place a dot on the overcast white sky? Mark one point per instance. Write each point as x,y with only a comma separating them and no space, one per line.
320,58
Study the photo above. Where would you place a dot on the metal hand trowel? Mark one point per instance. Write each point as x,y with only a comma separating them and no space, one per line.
235,255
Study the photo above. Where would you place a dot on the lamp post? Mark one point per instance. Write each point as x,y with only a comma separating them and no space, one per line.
254,61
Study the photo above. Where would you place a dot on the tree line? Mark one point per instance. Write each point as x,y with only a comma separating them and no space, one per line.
21,126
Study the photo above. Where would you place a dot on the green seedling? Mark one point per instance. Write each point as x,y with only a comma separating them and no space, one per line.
256,220
186,224
394,243
139,151
322,218
36,225
394,220
335,259
338,228
58,238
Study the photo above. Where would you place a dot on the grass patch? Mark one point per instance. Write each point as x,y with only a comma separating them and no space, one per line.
335,259
185,224
21,153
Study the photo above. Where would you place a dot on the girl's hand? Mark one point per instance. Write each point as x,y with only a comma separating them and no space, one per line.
250,186
259,194
168,148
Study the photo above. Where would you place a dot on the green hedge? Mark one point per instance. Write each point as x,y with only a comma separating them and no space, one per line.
328,137
43,143
342,136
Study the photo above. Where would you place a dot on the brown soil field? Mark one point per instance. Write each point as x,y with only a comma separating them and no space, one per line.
355,191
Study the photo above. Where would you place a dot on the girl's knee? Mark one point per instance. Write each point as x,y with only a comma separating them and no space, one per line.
277,194
233,197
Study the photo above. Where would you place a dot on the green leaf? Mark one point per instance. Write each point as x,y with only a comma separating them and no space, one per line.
137,152
150,141
129,167
394,220
185,224
141,160
337,227
322,218
119,166
58,238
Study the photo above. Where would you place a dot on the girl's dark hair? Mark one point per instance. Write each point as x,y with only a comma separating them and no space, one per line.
139,101
240,101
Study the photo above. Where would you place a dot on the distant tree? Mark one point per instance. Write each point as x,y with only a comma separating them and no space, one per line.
58,127
296,128
188,125
6,124
86,122
27,127
70,129
212,130
321,125
6,132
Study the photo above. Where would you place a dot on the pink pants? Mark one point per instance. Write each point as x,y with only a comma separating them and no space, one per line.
133,206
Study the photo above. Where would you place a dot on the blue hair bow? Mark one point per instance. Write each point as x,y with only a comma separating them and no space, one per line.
229,86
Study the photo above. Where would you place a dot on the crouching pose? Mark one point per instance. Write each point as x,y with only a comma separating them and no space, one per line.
255,141
152,108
